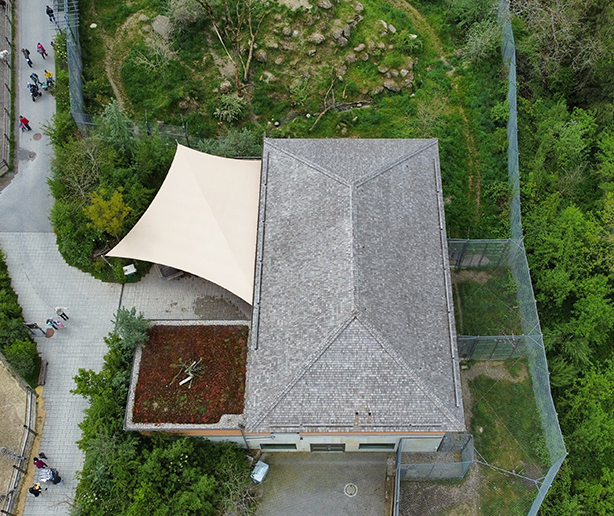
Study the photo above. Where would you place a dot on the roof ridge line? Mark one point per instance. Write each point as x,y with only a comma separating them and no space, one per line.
310,164
389,165
306,366
397,358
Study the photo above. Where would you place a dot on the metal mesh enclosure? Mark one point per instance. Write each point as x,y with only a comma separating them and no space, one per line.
519,447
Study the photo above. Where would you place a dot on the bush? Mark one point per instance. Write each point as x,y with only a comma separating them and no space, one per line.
127,474
15,341
23,356
230,108
483,40
237,143
408,42
184,13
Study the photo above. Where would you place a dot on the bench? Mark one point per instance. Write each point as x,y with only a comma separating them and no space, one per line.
43,372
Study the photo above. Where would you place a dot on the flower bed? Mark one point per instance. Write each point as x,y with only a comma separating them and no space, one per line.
217,390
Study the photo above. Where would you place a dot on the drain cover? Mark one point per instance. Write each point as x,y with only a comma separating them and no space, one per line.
350,490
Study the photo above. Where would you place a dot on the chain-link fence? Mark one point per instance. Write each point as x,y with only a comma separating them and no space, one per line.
67,19
7,54
519,447
17,436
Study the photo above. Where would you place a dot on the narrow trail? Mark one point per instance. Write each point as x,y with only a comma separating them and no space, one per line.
114,57
424,27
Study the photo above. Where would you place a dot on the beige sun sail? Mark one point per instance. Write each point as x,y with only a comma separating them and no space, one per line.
203,220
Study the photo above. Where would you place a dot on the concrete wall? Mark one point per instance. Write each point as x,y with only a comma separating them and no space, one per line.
412,442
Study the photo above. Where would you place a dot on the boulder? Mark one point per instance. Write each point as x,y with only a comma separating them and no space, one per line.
391,28
342,70
295,33
312,52
384,24
360,48
162,26
269,43
261,56
394,73
325,4
347,31
364,57
350,58
267,77
287,31
286,45
316,38
404,72
355,20
382,69
342,42
359,7
391,85
377,90
225,87
337,33
279,60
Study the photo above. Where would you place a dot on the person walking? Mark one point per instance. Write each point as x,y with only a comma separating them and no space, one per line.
49,11
35,78
49,77
52,324
35,490
26,54
61,313
41,49
26,123
40,463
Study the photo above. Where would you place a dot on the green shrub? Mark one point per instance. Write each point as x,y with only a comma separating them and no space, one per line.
127,474
483,40
62,128
243,143
23,356
230,108
407,42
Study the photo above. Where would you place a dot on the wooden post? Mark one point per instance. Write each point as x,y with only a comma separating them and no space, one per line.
23,471
29,429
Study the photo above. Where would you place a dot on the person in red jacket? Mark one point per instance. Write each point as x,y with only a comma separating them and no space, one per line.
25,122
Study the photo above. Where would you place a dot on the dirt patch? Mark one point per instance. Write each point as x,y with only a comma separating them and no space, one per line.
13,402
481,277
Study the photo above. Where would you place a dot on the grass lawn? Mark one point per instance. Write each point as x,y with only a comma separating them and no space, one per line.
506,424
294,77
485,302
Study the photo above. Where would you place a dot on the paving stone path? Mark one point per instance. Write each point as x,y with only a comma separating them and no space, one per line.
43,281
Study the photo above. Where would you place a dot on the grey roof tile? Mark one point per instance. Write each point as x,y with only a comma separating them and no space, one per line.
353,302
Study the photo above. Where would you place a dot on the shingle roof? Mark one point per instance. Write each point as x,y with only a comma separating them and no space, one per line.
352,304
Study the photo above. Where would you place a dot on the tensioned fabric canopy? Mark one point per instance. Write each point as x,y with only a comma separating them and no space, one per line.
204,220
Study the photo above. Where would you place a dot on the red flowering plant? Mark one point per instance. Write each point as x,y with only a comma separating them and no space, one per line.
218,387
